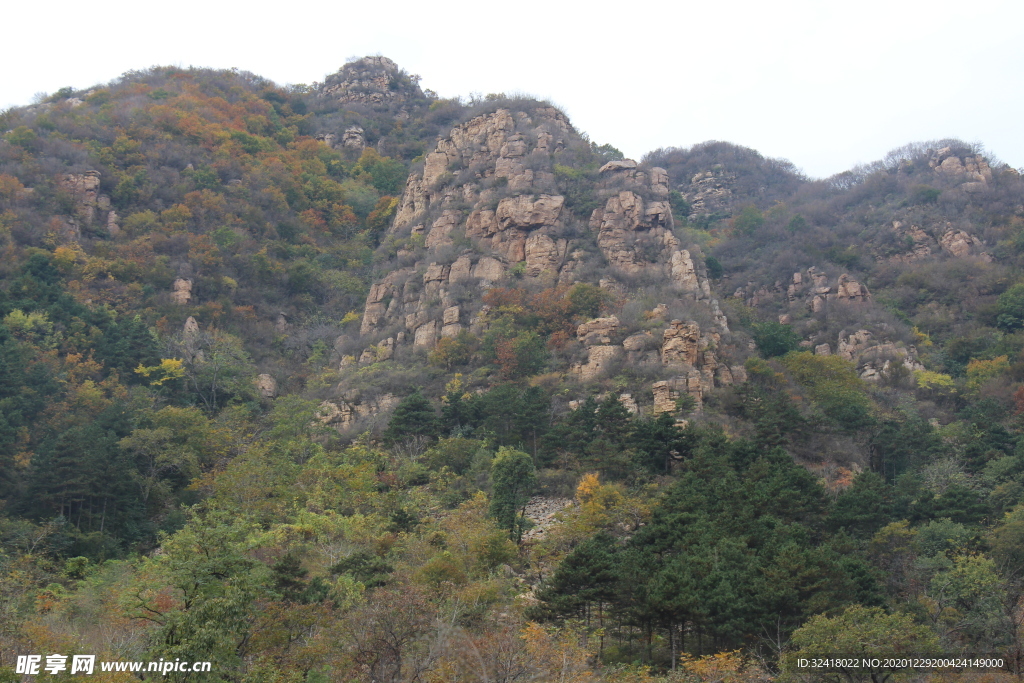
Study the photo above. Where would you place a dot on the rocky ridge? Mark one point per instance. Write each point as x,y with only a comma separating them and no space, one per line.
487,206
371,80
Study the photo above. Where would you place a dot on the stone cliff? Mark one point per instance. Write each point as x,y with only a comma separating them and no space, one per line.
488,207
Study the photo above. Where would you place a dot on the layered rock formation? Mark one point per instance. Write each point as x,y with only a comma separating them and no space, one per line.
487,207
516,216
372,80
811,287
972,167
343,413
90,207
683,349
709,192
492,150
952,241
874,359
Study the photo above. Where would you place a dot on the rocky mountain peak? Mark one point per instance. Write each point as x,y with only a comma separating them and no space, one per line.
496,203
374,80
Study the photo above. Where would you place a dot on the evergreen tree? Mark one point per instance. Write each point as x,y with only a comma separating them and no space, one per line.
413,416
513,479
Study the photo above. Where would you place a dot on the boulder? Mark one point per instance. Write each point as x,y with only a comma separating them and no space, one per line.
620,165
528,212
181,292
266,385
353,138
597,331
489,269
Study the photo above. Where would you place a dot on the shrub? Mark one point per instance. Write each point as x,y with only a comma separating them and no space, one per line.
775,339
1010,308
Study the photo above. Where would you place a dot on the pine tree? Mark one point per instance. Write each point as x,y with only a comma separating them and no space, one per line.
513,479
414,416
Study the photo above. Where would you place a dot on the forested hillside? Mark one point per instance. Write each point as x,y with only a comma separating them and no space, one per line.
352,382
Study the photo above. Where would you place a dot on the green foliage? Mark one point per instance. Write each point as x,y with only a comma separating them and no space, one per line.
923,194
577,186
587,577
23,137
833,384
387,176
862,632
366,568
715,270
413,416
797,224
587,299
863,508
219,588
748,221
513,479
457,454
680,207
775,339
218,370
1010,308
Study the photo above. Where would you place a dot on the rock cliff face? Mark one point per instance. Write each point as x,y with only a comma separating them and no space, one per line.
506,203
487,207
345,412
90,207
492,151
635,235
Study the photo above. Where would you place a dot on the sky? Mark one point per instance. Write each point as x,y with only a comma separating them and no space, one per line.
827,85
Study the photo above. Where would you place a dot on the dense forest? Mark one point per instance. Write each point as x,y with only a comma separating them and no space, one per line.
353,382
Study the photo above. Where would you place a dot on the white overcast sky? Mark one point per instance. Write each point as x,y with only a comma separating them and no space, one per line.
823,83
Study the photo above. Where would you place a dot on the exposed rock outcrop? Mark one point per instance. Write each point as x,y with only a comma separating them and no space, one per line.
971,167
84,190
709,192
636,237
181,292
961,243
951,241
812,287
599,357
342,414
486,210
266,386
327,138
692,353
875,359
508,230
919,243
597,331
353,138
372,80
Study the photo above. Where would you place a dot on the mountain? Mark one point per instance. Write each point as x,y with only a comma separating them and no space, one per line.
278,361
